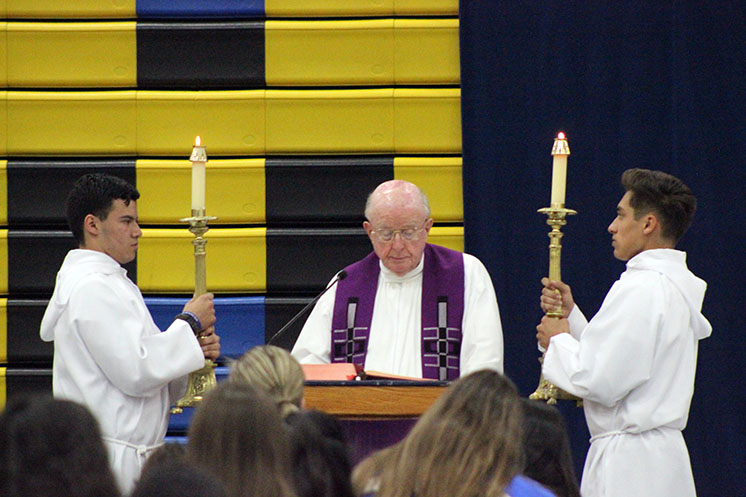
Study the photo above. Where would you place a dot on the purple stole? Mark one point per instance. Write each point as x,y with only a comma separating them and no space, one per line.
441,314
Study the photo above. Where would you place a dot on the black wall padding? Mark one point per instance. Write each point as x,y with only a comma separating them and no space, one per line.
278,311
200,55
322,189
37,189
24,343
304,260
34,257
27,381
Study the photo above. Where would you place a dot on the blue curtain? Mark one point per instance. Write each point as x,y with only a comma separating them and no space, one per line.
659,85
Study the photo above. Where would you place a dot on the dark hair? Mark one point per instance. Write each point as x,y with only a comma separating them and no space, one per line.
547,449
237,434
319,455
52,447
665,195
177,479
95,194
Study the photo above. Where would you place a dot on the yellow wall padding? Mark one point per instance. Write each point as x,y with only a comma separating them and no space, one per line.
3,54
235,191
426,51
448,236
3,330
362,52
425,7
3,123
236,260
3,388
229,122
332,52
440,179
3,192
328,8
3,262
427,121
49,9
74,54
310,121
66,123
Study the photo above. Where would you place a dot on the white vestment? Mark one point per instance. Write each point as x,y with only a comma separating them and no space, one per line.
395,331
634,367
111,357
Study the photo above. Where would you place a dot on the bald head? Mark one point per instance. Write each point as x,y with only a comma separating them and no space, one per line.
396,195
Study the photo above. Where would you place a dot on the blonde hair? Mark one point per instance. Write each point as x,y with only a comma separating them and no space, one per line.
468,443
274,371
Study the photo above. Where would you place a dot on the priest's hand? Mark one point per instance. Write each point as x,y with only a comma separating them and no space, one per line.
210,343
555,294
550,327
204,308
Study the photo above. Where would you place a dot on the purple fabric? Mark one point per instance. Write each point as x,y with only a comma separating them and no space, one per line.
441,314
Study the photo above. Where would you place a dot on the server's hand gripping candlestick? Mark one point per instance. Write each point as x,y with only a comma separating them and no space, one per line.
556,219
203,379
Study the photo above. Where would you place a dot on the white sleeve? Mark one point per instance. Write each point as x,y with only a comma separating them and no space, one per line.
482,334
615,351
315,339
133,358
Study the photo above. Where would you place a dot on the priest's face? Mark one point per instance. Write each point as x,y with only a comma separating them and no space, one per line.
627,233
118,234
399,235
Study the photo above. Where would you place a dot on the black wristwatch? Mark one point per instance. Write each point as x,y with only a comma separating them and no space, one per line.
193,321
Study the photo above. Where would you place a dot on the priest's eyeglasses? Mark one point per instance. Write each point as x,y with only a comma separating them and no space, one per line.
408,234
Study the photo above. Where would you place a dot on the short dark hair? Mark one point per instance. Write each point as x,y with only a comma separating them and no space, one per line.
663,194
95,194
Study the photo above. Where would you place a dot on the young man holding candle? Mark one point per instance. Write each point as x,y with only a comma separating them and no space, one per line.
634,363
108,353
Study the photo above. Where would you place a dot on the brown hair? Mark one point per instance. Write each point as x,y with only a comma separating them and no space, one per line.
468,443
665,195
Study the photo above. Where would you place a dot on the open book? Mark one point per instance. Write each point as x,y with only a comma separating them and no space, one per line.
347,372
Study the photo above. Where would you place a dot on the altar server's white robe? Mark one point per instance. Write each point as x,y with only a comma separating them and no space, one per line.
110,356
394,345
634,367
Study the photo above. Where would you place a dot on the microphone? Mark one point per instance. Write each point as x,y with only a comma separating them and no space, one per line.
340,276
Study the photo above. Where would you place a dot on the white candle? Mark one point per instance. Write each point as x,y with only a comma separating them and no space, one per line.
199,159
560,151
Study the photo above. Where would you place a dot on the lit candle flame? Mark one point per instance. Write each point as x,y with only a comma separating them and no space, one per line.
197,141
560,136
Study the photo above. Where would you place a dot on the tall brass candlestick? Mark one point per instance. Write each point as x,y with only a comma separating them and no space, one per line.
556,219
203,379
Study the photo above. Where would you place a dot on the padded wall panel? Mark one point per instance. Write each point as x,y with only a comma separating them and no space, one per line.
235,260
70,9
440,179
451,237
328,8
427,121
3,331
71,54
278,311
332,52
229,122
3,50
170,9
200,55
37,190
3,193
240,321
322,189
34,257
426,51
17,381
3,262
234,191
425,7
22,333
329,121
64,123
300,260
3,123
